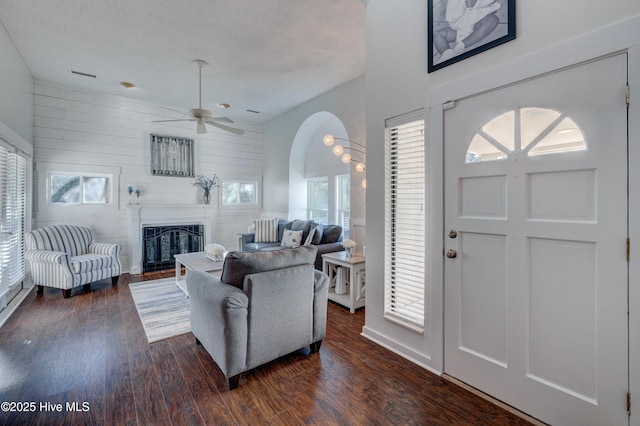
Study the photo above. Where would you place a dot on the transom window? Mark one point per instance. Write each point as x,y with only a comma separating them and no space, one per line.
534,131
239,193
76,189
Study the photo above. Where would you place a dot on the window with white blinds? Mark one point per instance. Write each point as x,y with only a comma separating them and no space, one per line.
405,219
13,204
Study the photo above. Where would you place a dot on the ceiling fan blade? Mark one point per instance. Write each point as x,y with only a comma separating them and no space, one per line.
227,128
202,116
178,119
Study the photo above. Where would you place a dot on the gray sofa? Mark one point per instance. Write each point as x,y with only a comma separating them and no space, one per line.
265,305
328,238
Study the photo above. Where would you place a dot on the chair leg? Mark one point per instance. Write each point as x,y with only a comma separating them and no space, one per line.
66,293
40,290
114,281
315,346
234,381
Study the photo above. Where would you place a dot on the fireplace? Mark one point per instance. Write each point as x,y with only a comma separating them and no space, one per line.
160,243
166,216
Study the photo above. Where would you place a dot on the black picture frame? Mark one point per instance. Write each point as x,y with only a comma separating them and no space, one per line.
498,24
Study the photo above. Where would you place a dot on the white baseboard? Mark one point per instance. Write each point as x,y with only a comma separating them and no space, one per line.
13,305
399,349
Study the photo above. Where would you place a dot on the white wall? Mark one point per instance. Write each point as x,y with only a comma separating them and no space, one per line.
16,89
346,102
75,129
397,82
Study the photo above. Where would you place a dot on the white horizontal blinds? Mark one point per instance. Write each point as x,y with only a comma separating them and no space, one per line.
405,219
13,181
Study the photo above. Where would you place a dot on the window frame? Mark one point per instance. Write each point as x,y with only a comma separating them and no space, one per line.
82,176
15,213
405,259
309,192
253,204
515,119
56,212
340,210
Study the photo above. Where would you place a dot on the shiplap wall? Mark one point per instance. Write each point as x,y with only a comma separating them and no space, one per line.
78,130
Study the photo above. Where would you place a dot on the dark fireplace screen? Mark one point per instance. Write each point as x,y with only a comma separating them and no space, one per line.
160,243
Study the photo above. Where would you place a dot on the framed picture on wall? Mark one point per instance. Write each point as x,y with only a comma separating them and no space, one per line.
171,156
459,29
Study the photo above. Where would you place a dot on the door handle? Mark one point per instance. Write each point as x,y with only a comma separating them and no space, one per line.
451,253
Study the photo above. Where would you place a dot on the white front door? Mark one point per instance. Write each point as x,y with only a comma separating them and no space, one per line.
536,278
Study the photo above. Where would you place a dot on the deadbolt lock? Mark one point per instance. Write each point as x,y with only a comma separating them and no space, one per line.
453,233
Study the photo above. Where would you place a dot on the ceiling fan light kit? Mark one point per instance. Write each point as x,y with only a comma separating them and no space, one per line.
202,116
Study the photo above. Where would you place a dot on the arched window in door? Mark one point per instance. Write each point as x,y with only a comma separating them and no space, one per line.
531,130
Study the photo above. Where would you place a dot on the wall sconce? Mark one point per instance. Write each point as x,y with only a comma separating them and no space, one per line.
339,151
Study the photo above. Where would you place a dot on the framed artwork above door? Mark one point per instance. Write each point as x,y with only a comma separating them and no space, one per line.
459,29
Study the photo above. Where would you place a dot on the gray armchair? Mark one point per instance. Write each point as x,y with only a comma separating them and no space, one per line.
265,305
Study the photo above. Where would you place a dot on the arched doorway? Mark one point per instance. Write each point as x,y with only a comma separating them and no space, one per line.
319,183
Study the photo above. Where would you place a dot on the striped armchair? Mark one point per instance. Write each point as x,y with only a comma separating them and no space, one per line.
65,257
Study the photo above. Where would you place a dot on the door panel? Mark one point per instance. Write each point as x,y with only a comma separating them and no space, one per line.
483,197
562,284
536,298
483,317
562,196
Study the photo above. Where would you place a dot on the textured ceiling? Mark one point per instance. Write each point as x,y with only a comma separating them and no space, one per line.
263,55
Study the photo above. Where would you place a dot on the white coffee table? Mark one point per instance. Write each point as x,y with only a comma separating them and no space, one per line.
197,261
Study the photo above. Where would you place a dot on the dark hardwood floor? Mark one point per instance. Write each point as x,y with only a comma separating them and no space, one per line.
91,350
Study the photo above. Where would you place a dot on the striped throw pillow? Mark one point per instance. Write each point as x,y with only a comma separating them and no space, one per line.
266,230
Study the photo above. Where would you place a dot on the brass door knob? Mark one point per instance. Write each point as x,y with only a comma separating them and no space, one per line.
451,253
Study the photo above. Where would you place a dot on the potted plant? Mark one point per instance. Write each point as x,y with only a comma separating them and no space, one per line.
206,184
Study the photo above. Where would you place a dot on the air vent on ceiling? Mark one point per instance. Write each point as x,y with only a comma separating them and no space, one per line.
253,111
84,74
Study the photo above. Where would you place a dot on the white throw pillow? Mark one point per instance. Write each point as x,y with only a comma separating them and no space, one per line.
291,238
309,239
266,231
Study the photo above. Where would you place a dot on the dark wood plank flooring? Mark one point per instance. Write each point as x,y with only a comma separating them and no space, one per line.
91,350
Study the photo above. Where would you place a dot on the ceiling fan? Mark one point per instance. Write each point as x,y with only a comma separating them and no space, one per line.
202,116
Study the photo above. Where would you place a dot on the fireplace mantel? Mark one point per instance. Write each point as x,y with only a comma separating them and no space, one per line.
144,215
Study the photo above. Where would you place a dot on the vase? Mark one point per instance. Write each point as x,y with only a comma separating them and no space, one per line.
206,197
349,252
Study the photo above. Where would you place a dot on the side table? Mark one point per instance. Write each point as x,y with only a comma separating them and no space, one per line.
336,265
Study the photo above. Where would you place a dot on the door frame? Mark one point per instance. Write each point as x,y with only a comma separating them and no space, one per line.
633,117
621,37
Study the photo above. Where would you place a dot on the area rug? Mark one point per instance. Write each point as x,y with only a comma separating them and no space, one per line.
163,308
